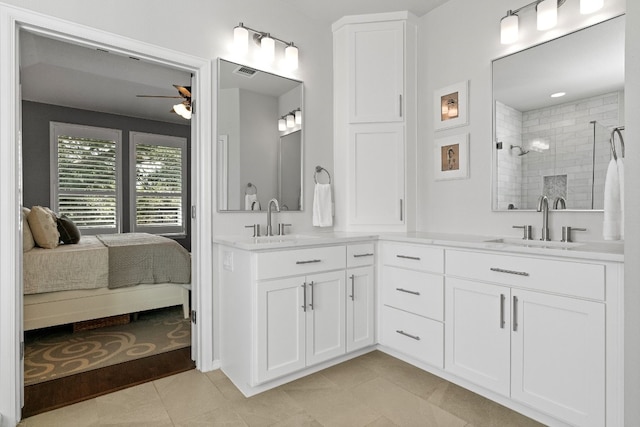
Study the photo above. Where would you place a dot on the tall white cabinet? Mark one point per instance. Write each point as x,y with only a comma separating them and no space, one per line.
375,121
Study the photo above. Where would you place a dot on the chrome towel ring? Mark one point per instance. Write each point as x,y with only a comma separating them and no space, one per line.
319,169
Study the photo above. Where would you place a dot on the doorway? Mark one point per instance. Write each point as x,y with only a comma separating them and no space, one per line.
14,20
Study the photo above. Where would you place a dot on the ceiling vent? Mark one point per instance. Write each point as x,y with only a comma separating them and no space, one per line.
245,71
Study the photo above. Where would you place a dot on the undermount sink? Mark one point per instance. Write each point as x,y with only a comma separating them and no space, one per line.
535,243
281,239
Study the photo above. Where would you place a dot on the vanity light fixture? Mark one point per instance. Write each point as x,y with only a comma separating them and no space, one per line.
298,115
267,45
546,16
290,120
282,125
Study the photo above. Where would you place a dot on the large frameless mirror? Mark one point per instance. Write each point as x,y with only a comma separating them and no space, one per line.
555,108
260,139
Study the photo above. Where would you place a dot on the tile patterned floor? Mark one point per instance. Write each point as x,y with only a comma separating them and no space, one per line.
373,390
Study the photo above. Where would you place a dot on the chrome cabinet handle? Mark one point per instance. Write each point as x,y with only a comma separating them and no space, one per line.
311,261
361,255
401,210
413,258
400,98
502,298
353,287
407,291
515,314
415,337
311,286
304,297
502,270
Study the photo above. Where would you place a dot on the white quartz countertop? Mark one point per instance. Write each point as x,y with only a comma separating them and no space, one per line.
597,251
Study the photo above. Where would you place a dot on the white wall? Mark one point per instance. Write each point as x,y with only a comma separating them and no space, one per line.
207,32
457,42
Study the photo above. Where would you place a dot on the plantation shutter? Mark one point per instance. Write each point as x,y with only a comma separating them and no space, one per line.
160,185
85,176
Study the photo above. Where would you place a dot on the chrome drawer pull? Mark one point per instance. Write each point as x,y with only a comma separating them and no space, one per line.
502,298
304,297
409,335
311,261
413,258
502,270
353,287
515,314
361,255
407,291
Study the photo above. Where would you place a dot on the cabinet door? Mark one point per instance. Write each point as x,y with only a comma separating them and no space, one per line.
281,331
360,306
558,356
376,72
477,324
325,316
376,175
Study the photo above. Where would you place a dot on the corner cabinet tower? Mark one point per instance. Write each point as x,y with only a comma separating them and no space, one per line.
374,59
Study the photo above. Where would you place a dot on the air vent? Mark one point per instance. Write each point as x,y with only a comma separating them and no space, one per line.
245,71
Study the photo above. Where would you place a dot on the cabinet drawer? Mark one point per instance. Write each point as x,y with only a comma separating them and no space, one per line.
360,255
413,335
563,277
417,257
300,261
413,291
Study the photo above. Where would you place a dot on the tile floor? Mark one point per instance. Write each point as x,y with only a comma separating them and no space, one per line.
371,390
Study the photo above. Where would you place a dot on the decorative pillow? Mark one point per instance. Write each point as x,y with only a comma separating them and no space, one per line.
44,227
69,232
27,238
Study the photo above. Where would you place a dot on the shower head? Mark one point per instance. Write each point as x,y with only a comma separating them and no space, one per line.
522,151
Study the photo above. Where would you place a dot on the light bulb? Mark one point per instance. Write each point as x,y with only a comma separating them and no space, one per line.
298,117
241,39
590,6
291,57
267,47
291,121
509,29
547,14
282,125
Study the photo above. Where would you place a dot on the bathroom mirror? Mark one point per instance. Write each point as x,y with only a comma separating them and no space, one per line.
553,144
260,139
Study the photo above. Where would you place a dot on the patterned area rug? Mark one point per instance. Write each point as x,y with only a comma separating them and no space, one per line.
57,352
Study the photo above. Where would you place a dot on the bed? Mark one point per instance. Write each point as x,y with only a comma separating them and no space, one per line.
102,276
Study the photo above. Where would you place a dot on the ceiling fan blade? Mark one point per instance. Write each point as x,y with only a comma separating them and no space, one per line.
157,96
185,91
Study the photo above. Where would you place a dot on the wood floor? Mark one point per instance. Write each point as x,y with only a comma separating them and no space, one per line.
64,391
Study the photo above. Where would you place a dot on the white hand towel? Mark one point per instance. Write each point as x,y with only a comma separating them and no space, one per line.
322,215
612,214
620,164
249,199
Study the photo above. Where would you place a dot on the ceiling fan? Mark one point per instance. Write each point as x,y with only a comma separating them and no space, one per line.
184,108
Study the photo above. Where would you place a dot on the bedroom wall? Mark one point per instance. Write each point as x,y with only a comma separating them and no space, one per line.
36,150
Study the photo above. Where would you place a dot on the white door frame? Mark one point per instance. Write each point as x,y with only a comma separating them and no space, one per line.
12,19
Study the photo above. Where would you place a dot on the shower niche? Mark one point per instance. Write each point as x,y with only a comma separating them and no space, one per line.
554,144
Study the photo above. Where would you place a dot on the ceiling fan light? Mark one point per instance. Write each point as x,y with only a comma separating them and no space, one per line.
547,14
182,110
241,39
267,48
509,28
590,6
291,56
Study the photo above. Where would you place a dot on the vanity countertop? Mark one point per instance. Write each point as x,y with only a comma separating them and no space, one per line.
596,251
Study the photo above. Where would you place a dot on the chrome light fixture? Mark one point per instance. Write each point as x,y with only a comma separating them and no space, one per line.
290,120
546,16
267,45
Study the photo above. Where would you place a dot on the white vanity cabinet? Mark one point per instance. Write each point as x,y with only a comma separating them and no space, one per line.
360,299
412,301
374,119
530,329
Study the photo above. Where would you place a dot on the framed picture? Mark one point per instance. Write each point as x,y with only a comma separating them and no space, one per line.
450,106
452,157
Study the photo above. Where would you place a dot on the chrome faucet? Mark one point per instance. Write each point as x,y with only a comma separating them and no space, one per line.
543,206
269,228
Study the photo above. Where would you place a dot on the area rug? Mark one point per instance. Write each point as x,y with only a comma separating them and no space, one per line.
58,352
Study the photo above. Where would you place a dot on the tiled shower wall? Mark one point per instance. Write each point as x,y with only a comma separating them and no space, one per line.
568,131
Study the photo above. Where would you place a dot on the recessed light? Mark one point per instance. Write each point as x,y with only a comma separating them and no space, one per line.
558,94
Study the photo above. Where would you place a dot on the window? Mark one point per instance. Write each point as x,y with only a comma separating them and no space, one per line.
159,191
85,176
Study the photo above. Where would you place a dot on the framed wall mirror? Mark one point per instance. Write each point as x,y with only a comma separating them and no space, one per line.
555,106
260,139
